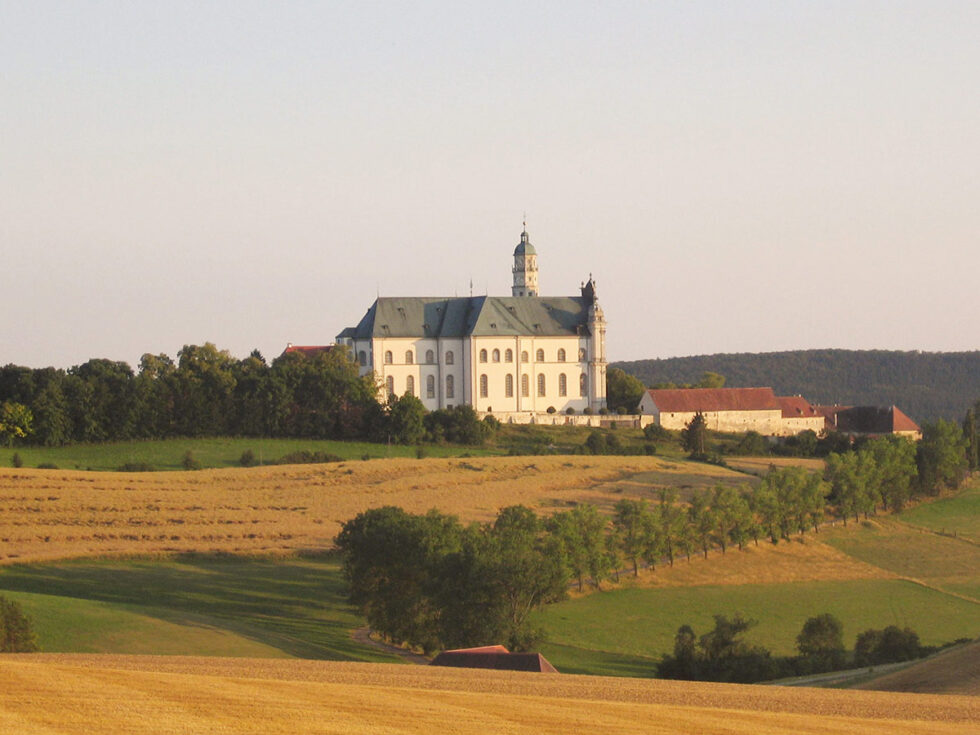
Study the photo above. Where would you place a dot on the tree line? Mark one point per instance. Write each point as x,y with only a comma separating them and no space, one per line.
722,654
207,392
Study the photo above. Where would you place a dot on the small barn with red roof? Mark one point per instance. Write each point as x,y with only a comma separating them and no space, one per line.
869,421
494,657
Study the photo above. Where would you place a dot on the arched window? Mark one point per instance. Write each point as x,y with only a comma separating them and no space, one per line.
483,355
583,385
561,355
484,389
581,354
524,357
388,357
390,386
449,357
409,357
541,385
525,386
362,358
562,385
509,356
430,386
450,387
430,356
509,386
496,356
540,356
410,386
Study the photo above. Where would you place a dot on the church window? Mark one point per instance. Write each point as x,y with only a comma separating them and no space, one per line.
581,354
449,357
509,386
583,385
362,358
430,357
390,386
483,355
450,387
540,356
496,355
484,390
541,385
525,386
410,386
388,357
430,386
561,355
509,356
524,357
409,358
562,385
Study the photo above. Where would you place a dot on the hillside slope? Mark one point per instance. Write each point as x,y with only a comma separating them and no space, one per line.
81,694
956,671
925,385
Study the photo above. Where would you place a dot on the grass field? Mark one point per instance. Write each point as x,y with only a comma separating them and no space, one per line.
958,515
223,606
642,622
83,694
168,454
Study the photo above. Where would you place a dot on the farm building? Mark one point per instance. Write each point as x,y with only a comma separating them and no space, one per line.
732,409
494,657
869,421
522,358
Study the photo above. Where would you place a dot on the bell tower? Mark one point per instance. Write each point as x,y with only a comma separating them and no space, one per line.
525,267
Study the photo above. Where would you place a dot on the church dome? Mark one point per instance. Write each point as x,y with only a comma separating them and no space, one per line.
525,247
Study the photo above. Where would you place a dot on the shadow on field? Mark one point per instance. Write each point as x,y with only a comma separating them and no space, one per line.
297,605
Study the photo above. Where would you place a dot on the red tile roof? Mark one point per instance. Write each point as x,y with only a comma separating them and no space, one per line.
494,657
685,400
308,350
795,407
866,419
901,422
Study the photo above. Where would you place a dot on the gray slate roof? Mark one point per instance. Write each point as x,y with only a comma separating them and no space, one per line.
476,316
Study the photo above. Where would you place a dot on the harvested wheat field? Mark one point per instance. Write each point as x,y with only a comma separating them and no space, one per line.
804,559
46,693
760,465
956,671
53,514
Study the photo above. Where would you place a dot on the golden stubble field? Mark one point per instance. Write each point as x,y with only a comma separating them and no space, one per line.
55,514
51,693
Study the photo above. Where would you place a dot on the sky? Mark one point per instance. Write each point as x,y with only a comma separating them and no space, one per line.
737,176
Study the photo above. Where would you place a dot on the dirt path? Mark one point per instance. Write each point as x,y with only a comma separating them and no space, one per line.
363,635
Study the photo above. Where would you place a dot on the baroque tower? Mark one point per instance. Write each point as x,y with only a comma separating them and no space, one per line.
525,268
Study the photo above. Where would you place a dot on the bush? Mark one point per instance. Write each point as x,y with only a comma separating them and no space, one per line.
189,462
551,409
16,635
136,467
596,442
16,461
420,452
307,457
47,466
650,448
247,459
570,411
887,646
587,411
655,432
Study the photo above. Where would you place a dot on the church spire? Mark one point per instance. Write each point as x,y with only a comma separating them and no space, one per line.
525,266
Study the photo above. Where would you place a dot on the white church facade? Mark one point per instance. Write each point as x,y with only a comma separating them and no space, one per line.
517,357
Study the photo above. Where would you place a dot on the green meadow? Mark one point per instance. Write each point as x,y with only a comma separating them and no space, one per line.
192,605
168,454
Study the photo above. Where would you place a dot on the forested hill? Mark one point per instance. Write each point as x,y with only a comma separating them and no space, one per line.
925,385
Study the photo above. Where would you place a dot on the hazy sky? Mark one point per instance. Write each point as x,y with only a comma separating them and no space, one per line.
738,176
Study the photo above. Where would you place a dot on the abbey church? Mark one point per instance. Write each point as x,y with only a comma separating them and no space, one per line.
516,357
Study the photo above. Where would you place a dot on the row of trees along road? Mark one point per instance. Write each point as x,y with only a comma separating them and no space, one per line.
430,582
